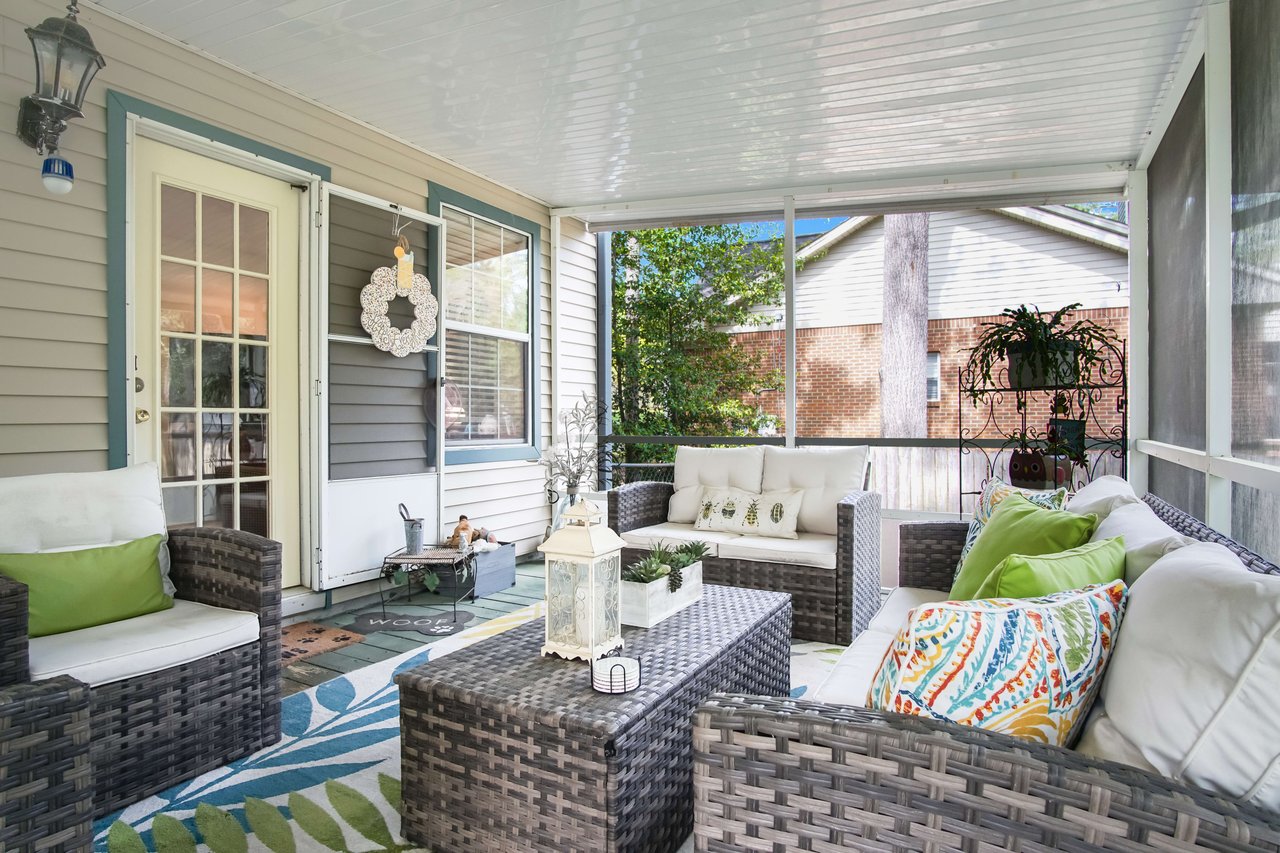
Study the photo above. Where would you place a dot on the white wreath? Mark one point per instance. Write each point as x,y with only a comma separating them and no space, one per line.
375,300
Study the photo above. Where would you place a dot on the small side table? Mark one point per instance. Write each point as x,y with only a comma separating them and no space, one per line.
462,563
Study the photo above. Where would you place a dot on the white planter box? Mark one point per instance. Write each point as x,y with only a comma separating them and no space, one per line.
646,604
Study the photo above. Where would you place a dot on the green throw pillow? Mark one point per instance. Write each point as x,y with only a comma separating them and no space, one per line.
1019,527
1020,576
69,590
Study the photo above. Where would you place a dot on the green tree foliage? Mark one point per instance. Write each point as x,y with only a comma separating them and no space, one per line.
675,371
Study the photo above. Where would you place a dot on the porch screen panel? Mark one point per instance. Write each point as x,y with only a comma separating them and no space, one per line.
381,408
1255,316
1176,180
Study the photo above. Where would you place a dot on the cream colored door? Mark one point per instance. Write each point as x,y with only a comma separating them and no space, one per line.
215,327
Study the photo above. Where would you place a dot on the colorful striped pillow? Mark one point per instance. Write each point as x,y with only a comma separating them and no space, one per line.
1026,667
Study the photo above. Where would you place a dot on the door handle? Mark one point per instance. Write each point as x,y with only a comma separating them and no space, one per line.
141,416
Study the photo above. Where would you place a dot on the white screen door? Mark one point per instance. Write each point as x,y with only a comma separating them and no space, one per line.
216,338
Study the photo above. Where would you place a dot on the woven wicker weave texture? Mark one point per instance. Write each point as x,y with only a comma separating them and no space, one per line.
46,780
781,774
830,606
504,750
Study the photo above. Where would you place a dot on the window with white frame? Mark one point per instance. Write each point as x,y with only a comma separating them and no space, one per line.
488,276
933,378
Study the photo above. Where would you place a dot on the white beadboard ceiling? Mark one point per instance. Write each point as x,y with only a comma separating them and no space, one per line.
591,103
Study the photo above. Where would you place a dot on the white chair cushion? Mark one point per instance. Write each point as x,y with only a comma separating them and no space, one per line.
1194,682
851,677
141,645
1101,739
674,534
1101,496
47,512
825,474
807,549
71,512
893,613
1146,537
740,467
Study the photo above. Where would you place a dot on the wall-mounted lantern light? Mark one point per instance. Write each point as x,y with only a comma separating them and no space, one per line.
66,62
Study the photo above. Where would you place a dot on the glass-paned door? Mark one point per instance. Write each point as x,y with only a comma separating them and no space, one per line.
217,385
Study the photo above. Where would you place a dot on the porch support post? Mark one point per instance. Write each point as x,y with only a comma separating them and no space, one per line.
555,330
1139,402
1218,272
789,290
604,348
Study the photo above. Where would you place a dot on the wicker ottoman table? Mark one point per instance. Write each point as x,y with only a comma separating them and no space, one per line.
505,750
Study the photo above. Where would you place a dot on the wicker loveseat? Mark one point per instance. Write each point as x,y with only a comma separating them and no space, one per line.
833,577
781,774
71,751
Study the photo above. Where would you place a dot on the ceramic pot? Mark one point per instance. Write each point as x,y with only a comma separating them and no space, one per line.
1027,469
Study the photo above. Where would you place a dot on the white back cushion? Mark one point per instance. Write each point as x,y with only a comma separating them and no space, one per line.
1146,537
696,467
1101,496
61,512
825,474
1194,682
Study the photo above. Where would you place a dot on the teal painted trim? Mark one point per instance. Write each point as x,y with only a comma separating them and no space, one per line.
162,115
117,327
440,195
119,107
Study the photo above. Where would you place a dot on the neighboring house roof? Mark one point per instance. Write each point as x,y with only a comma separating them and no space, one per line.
979,259
1064,220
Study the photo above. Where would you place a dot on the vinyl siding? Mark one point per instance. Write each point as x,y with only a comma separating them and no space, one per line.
979,263
53,252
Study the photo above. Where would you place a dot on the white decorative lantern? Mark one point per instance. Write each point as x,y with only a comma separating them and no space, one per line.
584,573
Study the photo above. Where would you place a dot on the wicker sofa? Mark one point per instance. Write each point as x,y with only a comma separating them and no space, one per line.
781,774
73,748
833,578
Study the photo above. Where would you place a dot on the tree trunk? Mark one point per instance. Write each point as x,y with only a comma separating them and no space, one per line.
904,407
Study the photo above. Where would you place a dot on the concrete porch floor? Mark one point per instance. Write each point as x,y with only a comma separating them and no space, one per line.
381,645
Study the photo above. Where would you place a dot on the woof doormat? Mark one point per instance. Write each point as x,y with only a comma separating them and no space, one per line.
434,625
304,640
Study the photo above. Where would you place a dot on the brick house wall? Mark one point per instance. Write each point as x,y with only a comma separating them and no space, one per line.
838,376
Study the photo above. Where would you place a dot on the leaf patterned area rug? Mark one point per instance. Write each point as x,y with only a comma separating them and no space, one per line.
332,783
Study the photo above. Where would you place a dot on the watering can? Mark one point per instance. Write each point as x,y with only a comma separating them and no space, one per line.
412,532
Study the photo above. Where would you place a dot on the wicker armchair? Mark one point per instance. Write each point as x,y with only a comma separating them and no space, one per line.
70,752
828,608
781,774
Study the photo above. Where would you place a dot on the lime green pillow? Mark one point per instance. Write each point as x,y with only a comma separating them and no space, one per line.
69,590
1020,576
1019,527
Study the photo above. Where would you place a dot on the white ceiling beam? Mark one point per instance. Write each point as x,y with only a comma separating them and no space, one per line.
1114,171
1168,105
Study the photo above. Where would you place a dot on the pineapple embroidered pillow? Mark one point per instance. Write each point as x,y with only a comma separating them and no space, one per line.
733,510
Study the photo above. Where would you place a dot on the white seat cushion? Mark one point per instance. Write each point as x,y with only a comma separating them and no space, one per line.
893,613
696,467
807,549
1101,739
1101,496
1194,683
825,474
851,677
151,643
674,534
1146,537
